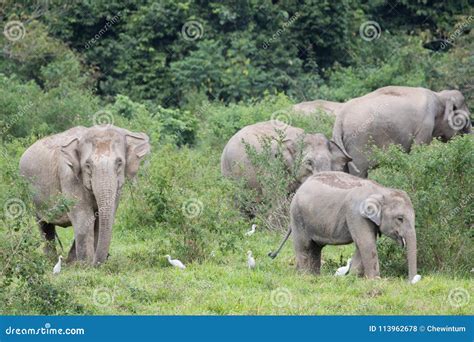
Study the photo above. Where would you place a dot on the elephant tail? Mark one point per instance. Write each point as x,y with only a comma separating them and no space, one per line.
60,243
337,137
273,255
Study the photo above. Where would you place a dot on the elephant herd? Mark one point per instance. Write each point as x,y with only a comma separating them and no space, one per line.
334,204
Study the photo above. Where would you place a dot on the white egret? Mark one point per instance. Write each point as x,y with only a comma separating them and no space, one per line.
341,271
415,279
250,260
175,262
57,267
251,231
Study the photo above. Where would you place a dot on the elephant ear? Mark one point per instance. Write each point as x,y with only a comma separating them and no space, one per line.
448,109
289,151
138,146
70,153
371,208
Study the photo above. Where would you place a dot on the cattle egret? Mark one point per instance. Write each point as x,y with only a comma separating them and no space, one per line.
416,279
341,271
251,231
250,260
175,262
57,267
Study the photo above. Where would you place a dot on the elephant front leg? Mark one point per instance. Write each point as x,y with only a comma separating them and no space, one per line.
48,231
365,241
357,267
83,224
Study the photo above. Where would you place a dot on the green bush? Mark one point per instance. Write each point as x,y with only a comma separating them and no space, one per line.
25,274
181,202
438,179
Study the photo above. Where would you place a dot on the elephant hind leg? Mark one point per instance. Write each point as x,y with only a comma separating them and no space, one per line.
72,253
308,256
48,232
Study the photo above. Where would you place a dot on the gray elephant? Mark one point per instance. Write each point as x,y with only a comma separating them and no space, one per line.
89,167
319,154
398,115
336,208
309,107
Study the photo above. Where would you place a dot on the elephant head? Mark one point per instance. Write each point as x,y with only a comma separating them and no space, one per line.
101,159
394,216
317,154
454,116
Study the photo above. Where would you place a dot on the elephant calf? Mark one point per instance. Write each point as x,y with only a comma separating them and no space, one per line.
319,153
335,208
89,166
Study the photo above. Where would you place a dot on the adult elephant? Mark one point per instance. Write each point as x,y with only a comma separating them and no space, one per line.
309,107
89,167
317,152
398,115
335,208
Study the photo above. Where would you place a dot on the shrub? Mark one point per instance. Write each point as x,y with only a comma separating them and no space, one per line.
25,283
438,179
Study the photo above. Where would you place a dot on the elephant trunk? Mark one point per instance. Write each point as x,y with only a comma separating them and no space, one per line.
411,254
105,193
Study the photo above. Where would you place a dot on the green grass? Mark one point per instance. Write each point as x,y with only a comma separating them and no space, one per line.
137,281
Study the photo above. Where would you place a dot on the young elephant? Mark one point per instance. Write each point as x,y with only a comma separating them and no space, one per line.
335,208
319,154
89,166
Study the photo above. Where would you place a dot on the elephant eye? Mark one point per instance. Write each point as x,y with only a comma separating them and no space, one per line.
400,219
88,166
119,164
308,162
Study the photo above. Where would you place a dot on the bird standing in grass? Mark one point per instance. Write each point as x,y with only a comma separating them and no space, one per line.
415,279
175,262
250,260
341,271
57,267
251,231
